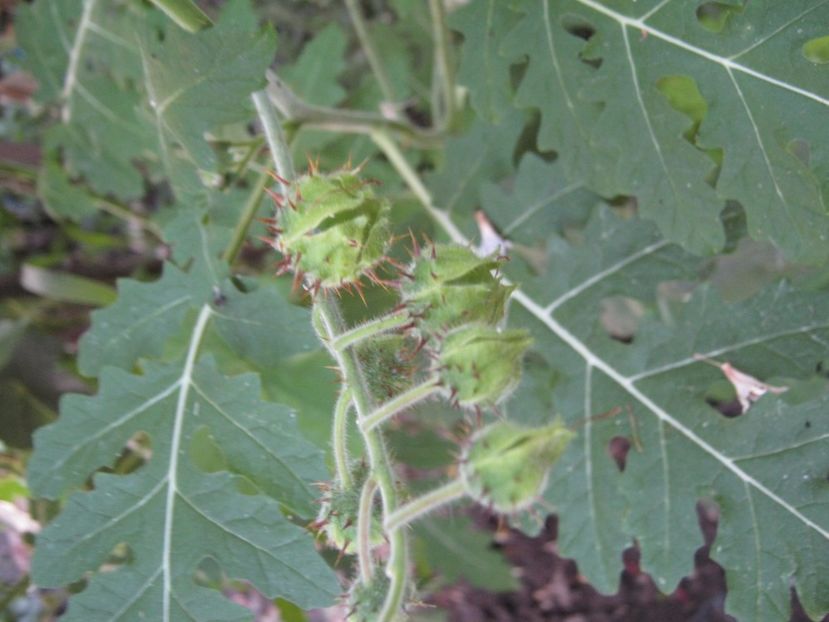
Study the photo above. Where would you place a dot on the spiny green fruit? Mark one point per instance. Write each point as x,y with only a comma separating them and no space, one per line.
448,285
506,465
334,231
339,510
481,365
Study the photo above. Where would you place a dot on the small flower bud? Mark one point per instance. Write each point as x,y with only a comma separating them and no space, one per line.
334,229
481,365
339,511
451,285
506,465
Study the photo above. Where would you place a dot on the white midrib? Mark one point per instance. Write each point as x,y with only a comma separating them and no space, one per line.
628,384
74,58
728,63
172,470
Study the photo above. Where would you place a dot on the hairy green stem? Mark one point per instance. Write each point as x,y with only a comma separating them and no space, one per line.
364,520
245,218
401,165
295,110
280,152
360,27
443,65
126,214
370,329
399,403
185,13
330,320
253,147
339,438
407,514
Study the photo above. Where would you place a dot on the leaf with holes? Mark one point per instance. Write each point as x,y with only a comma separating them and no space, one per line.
84,56
766,470
221,465
686,105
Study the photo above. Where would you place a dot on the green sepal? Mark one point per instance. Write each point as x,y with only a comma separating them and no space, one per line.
451,285
506,465
481,365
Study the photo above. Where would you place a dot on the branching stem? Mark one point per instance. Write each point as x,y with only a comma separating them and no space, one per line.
339,438
364,525
329,319
407,514
372,328
297,111
399,403
360,27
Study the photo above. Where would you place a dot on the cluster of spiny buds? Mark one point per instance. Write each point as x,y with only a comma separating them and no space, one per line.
445,337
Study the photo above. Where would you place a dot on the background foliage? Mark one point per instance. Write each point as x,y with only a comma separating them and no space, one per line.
659,169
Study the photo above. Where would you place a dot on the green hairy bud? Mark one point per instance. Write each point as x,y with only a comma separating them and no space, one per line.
335,230
365,600
450,285
506,465
338,514
481,365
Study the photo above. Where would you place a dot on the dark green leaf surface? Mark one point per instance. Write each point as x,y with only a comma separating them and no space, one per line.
455,549
199,82
314,75
84,55
185,504
604,76
766,470
484,25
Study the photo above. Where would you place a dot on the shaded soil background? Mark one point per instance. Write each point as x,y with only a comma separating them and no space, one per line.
552,590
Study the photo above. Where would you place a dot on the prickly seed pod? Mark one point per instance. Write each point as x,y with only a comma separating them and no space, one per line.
333,229
447,285
339,510
506,465
480,365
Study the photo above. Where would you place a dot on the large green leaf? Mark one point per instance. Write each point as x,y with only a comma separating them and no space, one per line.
84,55
198,82
185,504
656,100
314,75
766,469
487,72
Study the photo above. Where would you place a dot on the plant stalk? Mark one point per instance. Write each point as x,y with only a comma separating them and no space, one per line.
297,111
374,61
364,520
246,217
407,514
185,13
443,65
339,438
370,329
280,152
330,320
399,403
